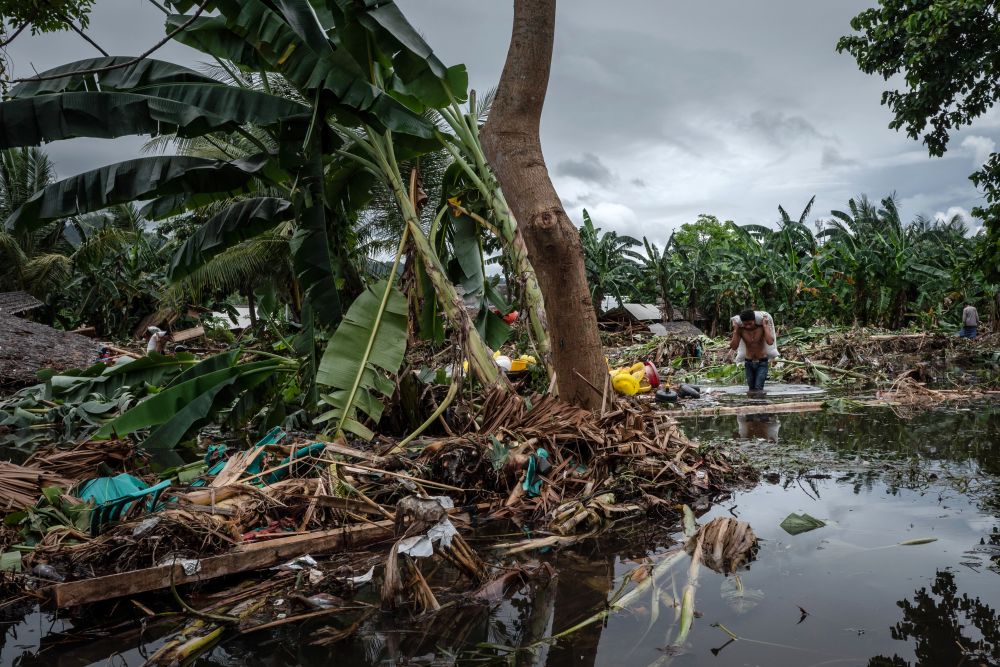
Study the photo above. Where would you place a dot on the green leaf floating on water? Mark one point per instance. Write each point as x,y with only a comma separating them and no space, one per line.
10,561
800,523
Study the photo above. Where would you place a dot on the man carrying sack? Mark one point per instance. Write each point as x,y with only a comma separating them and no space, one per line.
753,337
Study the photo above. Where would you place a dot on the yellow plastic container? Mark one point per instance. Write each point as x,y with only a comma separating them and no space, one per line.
517,365
625,384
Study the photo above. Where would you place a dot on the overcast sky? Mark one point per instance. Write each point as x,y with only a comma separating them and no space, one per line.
658,110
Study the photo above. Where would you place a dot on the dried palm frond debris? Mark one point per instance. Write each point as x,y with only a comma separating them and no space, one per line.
20,486
536,460
86,459
727,544
554,462
907,396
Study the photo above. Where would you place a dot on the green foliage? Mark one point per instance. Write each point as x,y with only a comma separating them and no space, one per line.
48,16
948,55
302,81
193,398
369,343
864,266
241,221
609,261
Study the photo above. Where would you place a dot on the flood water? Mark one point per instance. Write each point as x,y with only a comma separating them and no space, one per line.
844,594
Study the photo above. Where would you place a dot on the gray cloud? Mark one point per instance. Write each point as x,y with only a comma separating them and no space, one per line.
689,112
587,168
780,129
832,158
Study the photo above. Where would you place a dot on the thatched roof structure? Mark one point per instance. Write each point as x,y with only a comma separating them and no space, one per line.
12,303
28,347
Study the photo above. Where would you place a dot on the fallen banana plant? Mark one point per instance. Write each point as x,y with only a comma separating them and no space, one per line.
723,544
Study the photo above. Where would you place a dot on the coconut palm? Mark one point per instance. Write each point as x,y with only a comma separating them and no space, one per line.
23,171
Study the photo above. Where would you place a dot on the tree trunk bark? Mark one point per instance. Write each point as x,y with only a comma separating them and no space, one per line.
252,306
511,142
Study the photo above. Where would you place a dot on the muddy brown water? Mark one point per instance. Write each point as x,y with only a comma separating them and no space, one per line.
844,594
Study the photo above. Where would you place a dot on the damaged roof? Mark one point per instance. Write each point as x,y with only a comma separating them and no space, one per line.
12,303
28,347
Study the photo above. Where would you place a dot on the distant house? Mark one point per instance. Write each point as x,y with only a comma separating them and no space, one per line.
648,314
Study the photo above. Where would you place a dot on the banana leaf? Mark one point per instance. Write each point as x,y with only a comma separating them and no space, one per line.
201,408
134,179
175,400
171,205
468,270
210,35
239,222
368,344
302,19
188,110
146,72
252,402
419,73
153,369
310,244
208,365
277,47
431,319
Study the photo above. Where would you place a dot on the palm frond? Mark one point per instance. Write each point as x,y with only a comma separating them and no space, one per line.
42,273
236,268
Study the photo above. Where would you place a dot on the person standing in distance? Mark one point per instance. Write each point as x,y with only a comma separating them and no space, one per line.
970,322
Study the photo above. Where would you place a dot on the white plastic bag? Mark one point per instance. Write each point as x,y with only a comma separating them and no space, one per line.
772,350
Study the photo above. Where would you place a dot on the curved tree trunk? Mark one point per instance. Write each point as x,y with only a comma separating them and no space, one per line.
511,141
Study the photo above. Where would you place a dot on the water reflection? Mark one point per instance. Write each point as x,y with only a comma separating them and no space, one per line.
763,426
967,433
847,575
939,622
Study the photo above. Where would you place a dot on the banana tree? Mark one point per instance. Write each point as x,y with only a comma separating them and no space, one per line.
354,66
475,196
610,262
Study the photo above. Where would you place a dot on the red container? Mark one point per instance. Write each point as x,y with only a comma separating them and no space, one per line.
652,377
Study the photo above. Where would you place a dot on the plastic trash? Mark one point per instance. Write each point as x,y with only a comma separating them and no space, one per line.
538,464
687,391
665,396
652,376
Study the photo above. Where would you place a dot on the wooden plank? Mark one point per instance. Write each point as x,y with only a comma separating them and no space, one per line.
253,556
245,558
770,408
187,334
122,350
897,336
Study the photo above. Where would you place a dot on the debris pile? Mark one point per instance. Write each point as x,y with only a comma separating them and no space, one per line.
533,460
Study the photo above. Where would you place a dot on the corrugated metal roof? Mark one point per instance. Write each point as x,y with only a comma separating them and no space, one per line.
644,312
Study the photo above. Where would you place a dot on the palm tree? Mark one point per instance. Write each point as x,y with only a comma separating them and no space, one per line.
610,262
23,171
